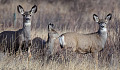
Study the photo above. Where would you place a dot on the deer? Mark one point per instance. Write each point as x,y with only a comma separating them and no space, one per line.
87,43
50,46
17,40
52,41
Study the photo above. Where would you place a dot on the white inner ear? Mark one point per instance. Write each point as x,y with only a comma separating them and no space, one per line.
96,18
21,10
108,17
33,10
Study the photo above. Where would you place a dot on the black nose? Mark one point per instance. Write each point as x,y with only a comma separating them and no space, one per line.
102,26
27,18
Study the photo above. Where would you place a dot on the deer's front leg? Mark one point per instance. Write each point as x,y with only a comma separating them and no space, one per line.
29,45
20,48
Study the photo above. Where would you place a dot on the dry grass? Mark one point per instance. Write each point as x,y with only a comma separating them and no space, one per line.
73,61
67,15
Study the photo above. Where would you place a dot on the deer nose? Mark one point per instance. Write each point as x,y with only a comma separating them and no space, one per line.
102,26
27,18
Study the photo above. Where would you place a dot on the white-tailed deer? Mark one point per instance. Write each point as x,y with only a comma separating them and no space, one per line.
86,43
16,40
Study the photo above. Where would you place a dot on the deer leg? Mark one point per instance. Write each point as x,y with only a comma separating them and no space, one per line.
29,52
20,48
95,56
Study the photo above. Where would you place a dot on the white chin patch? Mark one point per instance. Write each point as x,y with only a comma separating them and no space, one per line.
27,24
104,30
61,40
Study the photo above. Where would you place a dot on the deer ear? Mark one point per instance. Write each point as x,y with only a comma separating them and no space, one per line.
95,18
108,17
50,23
34,9
20,9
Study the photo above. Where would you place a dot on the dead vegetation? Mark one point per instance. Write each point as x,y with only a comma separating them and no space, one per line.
66,15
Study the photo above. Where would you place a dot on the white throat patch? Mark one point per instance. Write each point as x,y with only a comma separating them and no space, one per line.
27,24
104,30
104,35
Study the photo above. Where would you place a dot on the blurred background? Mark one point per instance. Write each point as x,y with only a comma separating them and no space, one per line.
69,14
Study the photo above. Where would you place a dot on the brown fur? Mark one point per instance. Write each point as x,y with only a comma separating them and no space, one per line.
52,43
83,43
86,43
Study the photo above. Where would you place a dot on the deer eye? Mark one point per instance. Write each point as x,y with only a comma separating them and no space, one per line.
30,14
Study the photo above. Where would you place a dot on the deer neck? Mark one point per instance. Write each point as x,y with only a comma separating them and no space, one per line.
27,30
103,34
50,43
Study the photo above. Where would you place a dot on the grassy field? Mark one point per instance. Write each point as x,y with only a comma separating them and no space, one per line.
67,16
109,58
